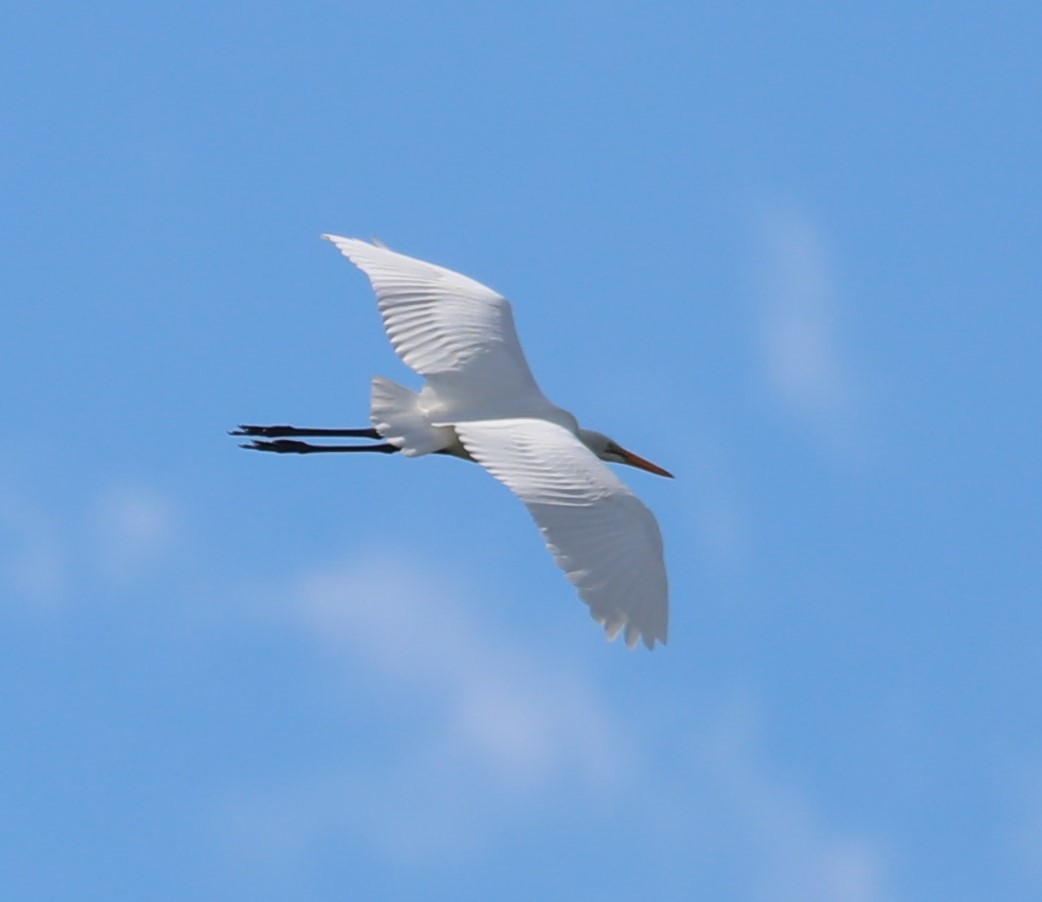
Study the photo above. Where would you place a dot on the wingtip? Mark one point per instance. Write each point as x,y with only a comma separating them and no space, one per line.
632,635
650,640
637,633
339,240
355,248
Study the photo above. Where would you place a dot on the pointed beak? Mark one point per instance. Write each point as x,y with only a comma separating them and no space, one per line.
635,460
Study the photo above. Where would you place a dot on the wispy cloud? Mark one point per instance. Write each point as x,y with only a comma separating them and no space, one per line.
134,526
525,719
802,354
493,728
118,538
713,499
772,823
498,733
1026,835
32,564
478,732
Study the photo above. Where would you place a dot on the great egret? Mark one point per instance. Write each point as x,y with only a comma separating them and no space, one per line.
481,403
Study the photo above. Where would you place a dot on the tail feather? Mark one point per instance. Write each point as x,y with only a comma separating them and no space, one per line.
397,416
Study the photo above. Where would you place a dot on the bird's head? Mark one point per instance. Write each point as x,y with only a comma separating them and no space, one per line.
610,450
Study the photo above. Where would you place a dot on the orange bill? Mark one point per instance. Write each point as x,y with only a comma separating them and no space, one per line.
637,461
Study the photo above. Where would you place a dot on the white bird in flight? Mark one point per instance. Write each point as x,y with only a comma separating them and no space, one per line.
481,403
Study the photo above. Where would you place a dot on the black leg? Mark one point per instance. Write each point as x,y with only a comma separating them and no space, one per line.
285,446
283,431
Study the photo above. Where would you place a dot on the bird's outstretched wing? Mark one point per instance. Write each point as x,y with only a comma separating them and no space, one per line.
455,331
601,534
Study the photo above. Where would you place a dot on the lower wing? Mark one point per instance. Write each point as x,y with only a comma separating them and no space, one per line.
601,534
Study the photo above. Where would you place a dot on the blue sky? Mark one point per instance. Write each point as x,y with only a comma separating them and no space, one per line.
788,251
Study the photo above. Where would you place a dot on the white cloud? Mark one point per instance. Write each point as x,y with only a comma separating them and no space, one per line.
524,718
32,564
801,351
712,497
134,528
495,728
774,825
499,733
46,554
1026,835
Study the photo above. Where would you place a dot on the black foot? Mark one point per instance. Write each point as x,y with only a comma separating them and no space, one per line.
282,446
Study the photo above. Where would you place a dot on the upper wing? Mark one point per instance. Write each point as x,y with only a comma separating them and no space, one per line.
456,332
606,541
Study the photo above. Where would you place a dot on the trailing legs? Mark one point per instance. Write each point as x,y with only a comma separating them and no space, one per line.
284,445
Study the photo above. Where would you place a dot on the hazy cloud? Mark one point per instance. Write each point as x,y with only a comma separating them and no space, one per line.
500,733
523,717
32,564
802,353
773,824
134,527
1026,836
496,731
496,728
712,496
45,554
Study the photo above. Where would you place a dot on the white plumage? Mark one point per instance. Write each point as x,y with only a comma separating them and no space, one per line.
601,534
481,402
460,335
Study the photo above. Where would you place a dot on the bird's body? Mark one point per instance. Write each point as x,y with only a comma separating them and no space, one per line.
481,402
